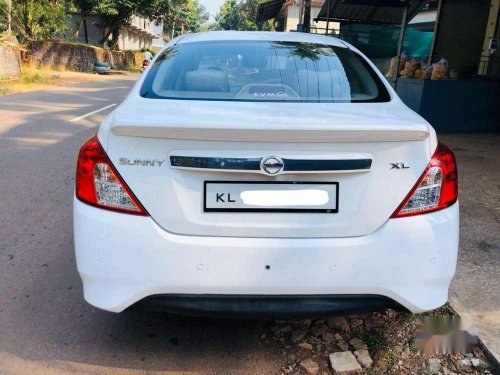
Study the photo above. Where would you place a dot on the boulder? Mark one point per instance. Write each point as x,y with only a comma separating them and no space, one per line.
344,363
358,344
338,323
10,58
363,358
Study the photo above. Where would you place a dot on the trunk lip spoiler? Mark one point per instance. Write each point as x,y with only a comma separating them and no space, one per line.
254,134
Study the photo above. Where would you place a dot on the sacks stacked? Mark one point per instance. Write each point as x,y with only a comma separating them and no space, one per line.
415,69
440,70
394,64
410,68
425,72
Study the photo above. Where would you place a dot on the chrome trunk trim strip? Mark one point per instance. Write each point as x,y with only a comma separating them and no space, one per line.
196,162
254,164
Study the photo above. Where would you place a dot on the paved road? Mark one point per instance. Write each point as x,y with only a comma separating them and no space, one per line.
46,327
44,323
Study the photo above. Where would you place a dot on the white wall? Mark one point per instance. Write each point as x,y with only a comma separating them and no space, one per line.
424,17
158,29
316,27
133,39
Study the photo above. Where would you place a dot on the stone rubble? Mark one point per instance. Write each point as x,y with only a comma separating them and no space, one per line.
432,366
344,363
297,335
363,358
464,365
328,337
318,329
310,367
338,323
373,344
356,322
306,345
477,363
342,345
358,344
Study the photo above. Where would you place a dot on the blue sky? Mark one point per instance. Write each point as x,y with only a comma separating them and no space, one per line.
212,6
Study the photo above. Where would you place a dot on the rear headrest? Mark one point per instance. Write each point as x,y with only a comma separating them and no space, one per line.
255,61
208,80
323,85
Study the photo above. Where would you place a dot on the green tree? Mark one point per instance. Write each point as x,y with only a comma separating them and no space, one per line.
209,26
248,14
228,16
195,14
117,13
3,16
186,16
240,15
37,19
170,23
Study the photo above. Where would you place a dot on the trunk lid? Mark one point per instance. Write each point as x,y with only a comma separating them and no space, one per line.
147,139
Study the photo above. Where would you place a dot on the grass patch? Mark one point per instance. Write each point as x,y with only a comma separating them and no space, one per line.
413,348
391,359
375,340
32,78
29,79
131,69
445,310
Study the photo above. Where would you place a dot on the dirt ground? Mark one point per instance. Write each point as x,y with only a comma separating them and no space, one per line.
475,290
41,79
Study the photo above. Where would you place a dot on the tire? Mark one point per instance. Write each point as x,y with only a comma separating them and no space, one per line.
102,69
101,64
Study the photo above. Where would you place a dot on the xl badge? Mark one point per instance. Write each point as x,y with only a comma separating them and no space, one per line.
398,166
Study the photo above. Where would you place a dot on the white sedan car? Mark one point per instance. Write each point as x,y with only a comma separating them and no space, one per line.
265,174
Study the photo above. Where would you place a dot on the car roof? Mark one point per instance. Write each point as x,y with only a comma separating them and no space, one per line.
211,36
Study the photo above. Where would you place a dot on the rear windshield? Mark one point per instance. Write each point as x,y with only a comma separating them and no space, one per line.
262,71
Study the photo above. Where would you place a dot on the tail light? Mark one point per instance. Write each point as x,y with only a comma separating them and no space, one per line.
436,189
98,182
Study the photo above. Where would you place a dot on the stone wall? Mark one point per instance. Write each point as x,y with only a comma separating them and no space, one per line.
10,61
60,55
126,59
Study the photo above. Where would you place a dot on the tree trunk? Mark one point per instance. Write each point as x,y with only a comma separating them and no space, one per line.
76,34
307,16
9,17
113,30
106,36
115,33
85,30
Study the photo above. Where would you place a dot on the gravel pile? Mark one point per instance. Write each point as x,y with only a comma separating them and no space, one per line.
376,343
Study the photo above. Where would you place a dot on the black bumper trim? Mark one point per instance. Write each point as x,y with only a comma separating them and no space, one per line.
267,306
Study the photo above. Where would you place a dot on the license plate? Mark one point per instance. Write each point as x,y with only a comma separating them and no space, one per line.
245,196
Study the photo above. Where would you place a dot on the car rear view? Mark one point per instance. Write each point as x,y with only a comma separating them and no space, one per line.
260,174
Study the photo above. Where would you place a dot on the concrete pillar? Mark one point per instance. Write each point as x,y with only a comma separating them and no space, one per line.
460,34
491,28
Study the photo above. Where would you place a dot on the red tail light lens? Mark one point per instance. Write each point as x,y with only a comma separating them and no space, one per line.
98,182
436,189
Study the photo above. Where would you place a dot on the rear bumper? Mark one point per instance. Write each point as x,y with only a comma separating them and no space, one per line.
249,306
123,259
